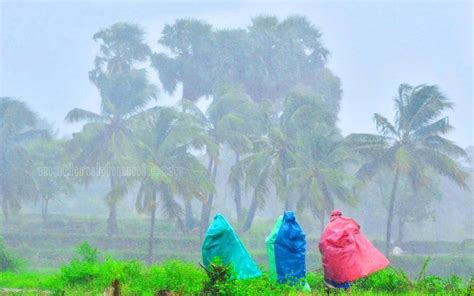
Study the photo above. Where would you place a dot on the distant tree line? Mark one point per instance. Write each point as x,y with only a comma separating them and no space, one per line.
273,103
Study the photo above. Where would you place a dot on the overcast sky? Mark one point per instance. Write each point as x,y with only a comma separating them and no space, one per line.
47,50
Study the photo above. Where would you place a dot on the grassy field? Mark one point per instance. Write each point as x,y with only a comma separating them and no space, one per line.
50,262
47,246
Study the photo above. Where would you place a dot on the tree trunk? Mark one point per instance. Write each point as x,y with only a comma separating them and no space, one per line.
6,214
251,214
189,218
401,225
151,238
238,194
112,227
44,208
390,212
207,205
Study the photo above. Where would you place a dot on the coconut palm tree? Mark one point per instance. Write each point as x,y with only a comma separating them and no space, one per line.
229,120
166,137
267,166
107,139
412,145
18,128
297,152
236,122
319,174
212,148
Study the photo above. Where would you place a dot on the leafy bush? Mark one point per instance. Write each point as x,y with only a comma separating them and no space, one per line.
221,280
87,253
83,268
173,275
388,279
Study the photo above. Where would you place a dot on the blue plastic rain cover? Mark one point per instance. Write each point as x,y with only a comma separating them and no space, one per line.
290,251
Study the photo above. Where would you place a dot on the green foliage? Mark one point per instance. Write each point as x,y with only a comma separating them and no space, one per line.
412,146
221,280
87,253
83,268
189,279
18,128
386,280
86,271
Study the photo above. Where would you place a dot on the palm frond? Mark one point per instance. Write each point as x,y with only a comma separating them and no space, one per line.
367,145
426,104
439,127
170,207
444,145
443,165
168,71
384,126
77,115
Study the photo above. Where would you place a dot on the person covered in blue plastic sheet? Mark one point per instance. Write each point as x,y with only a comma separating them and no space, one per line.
286,247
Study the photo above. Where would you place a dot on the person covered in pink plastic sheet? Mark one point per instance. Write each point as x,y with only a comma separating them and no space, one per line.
346,254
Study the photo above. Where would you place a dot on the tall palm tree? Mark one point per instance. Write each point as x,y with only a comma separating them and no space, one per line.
18,127
266,166
236,122
166,137
191,43
229,120
122,46
284,53
125,91
319,174
413,144
212,148
299,153
319,171
108,138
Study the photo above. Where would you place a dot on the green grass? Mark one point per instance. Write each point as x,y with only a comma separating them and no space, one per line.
82,277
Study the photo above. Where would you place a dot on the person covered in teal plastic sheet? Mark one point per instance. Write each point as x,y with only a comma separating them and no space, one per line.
222,242
286,249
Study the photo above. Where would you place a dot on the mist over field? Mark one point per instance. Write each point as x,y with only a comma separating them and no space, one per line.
129,126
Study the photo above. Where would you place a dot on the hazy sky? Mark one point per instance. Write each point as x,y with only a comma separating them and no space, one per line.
47,50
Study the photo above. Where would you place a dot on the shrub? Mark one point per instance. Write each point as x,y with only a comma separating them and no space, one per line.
388,279
221,280
86,253
83,268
